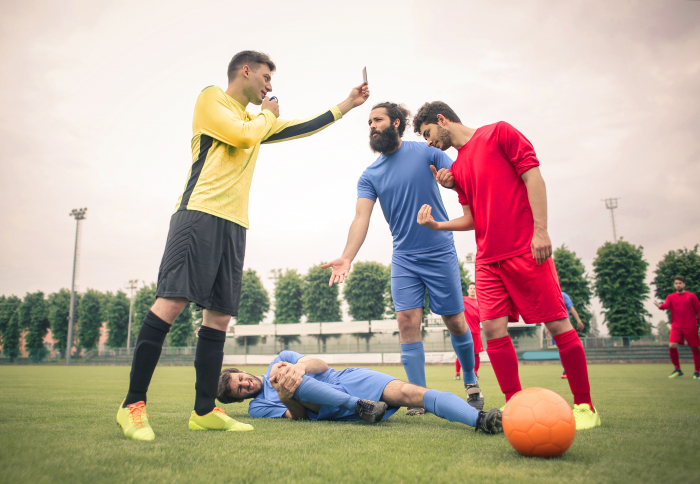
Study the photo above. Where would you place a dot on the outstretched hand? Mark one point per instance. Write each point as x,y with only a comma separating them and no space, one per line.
359,95
425,217
341,268
444,177
656,303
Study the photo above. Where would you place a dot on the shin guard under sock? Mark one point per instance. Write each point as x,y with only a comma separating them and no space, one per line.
464,348
675,359
573,359
149,345
449,406
209,356
313,391
413,359
505,365
696,358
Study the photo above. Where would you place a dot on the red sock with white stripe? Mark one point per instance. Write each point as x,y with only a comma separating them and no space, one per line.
505,365
573,359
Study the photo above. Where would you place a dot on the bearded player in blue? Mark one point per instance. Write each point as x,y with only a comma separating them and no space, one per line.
422,259
302,387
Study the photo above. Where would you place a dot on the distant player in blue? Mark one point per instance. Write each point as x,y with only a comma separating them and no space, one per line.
423,258
571,310
302,387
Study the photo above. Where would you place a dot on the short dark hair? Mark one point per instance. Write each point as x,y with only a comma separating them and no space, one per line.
471,284
396,111
222,392
250,58
679,278
427,114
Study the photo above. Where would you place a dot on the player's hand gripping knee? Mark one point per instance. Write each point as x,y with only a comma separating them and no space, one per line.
541,246
272,105
425,218
444,177
341,268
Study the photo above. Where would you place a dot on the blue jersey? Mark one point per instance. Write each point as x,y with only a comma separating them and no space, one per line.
358,382
403,182
569,303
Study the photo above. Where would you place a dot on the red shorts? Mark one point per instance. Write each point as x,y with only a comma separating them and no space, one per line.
681,335
478,345
519,286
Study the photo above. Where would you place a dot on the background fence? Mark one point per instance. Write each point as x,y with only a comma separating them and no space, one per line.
528,348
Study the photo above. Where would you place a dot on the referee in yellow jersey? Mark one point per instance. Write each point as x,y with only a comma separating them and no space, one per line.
203,258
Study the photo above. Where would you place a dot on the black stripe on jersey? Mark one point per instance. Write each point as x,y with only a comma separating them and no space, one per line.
204,146
303,128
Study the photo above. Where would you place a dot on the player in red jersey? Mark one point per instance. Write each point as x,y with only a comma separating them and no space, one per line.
685,310
504,201
471,314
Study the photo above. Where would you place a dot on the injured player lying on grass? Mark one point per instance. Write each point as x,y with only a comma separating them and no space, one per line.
301,387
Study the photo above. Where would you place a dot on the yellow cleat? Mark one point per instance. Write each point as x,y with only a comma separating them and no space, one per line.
585,417
133,420
217,420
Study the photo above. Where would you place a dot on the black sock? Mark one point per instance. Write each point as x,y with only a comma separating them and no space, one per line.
146,355
207,364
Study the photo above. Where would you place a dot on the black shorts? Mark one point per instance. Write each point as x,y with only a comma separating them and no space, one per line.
203,261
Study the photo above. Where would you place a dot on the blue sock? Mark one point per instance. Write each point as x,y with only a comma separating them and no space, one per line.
464,347
314,391
449,406
413,359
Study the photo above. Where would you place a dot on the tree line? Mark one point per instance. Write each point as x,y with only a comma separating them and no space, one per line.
618,280
36,314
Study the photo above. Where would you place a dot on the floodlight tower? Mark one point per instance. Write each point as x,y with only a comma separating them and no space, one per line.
78,214
130,287
611,204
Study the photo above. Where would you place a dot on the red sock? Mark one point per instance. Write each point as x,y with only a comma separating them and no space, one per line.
573,359
457,366
674,358
696,358
477,362
505,365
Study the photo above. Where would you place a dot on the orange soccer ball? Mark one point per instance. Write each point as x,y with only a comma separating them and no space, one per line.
539,423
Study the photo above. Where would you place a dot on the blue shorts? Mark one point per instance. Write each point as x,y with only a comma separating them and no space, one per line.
358,382
436,270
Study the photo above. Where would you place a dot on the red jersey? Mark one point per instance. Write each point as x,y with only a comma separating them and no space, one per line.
685,309
487,178
472,315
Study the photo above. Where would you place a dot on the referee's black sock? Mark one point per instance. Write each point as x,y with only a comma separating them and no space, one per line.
207,364
149,344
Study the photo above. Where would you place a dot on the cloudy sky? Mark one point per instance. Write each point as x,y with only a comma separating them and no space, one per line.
96,103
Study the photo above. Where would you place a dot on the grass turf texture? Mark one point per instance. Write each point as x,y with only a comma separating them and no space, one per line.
58,424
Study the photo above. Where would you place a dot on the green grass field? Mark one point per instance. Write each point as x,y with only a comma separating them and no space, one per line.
58,425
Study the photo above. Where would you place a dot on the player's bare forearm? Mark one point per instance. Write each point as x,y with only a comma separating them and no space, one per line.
460,224
537,195
356,237
312,365
541,244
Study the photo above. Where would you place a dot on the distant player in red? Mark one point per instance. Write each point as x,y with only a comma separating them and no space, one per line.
471,314
504,200
685,310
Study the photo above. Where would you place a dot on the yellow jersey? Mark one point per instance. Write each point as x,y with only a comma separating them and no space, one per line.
225,144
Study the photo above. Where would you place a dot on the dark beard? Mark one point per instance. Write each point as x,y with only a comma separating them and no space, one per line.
387,141
445,138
